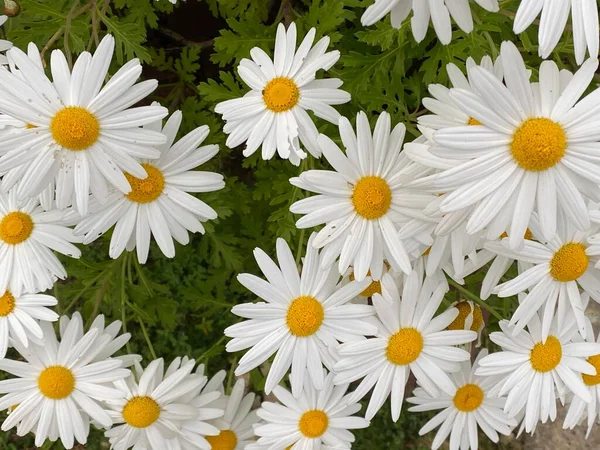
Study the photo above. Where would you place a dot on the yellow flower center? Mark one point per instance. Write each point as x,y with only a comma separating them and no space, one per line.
468,398
56,382
371,197
141,412
226,440
313,423
281,94
75,128
304,316
538,144
593,380
464,310
405,346
474,122
148,189
7,304
545,357
569,262
15,227
374,287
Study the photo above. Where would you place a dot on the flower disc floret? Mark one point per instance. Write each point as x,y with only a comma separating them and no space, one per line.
305,316
468,398
7,304
225,440
16,227
56,382
371,197
281,94
141,412
313,424
405,346
148,189
75,128
569,262
538,144
544,357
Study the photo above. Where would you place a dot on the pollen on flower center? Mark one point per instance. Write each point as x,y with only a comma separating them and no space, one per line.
405,346
148,189
545,357
7,304
15,227
464,309
313,423
468,398
538,144
75,128
141,412
56,382
569,262
281,94
225,440
371,197
593,380
304,316
473,121
374,287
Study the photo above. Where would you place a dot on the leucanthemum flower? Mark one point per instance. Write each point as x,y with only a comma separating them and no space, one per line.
273,114
60,386
363,201
410,340
553,20
79,135
19,317
303,316
319,419
439,11
152,410
28,236
159,204
465,411
535,370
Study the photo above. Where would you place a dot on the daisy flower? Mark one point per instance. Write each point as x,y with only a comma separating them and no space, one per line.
410,340
530,153
363,201
60,387
28,236
439,11
80,135
553,20
19,317
303,315
469,408
559,268
159,203
4,44
274,113
535,369
319,419
470,317
151,410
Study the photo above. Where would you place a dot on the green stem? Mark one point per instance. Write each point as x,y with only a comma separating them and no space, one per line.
475,298
124,299
145,333
230,376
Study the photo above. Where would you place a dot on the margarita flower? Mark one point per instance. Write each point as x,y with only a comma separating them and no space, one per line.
274,113
439,12
363,201
152,410
319,419
80,135
530,153
160,203
27,237
468,408
60,387
410,341
302,317
19,317
536,370
554,15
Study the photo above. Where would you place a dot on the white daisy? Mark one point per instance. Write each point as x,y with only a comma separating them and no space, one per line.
410,340
319,419
80,135
159,204
439,11
28,236
363,201
304,316
152,410
535,371
534,151
559,268
273,114
4,44
60,386
470,407
19,317
553,20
